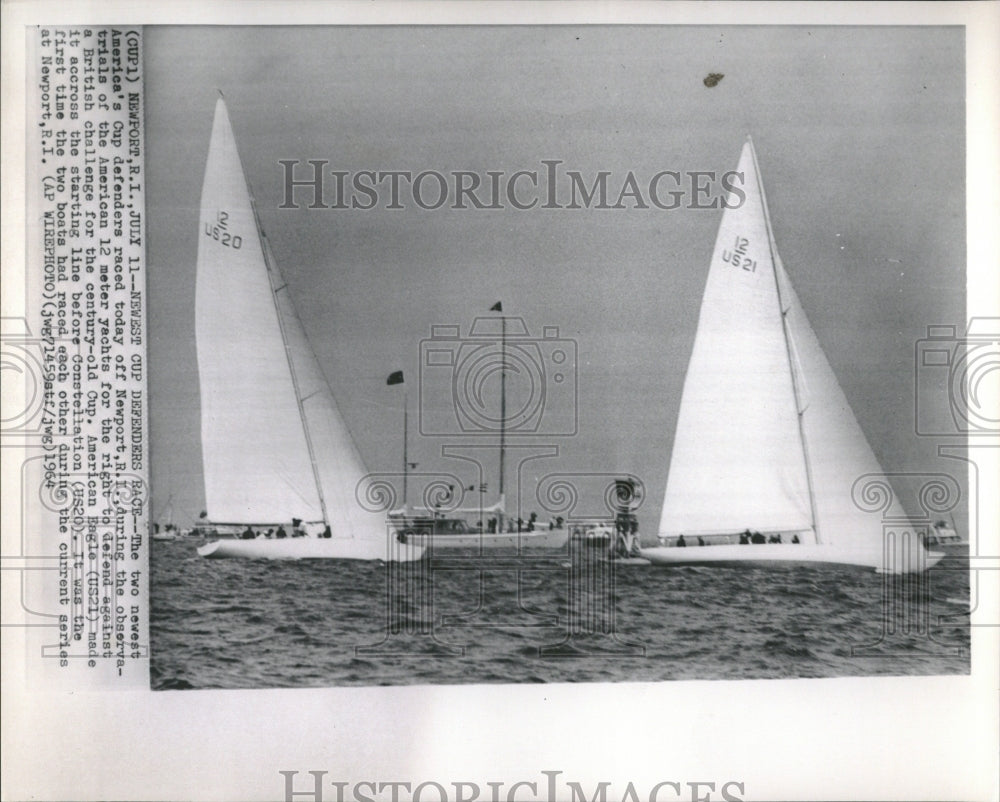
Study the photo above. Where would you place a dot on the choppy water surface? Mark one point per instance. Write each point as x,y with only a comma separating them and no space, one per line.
250,623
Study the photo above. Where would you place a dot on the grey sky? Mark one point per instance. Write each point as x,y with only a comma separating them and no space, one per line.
860,138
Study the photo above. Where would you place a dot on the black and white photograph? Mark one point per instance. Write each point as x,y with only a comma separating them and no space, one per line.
490,328
569,404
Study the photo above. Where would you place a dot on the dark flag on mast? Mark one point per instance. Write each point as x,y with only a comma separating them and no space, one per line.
395,378
497,307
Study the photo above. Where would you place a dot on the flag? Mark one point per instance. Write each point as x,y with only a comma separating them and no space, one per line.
497,307
395,378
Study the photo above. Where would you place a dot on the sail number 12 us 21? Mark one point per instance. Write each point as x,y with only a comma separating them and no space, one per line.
219,231
738,256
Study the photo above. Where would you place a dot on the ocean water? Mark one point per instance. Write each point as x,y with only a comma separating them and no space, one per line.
568,617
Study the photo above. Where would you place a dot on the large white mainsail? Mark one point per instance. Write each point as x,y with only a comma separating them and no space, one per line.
274,445
766,439
738,426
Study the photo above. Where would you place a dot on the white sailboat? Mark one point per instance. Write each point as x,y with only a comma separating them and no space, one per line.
942,537
275,447
766,442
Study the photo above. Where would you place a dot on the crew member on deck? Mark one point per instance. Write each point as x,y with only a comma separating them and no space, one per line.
681,541
744,537
619,543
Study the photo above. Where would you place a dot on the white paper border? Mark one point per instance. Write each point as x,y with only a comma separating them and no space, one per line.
870,738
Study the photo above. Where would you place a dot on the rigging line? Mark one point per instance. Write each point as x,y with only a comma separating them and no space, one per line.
503,393
799,409
274,270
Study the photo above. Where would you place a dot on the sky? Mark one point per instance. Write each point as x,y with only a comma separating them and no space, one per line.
860,137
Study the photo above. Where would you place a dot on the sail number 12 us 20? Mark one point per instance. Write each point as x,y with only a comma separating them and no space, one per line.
738,256
219,231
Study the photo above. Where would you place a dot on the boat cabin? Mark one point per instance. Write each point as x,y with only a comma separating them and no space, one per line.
428,525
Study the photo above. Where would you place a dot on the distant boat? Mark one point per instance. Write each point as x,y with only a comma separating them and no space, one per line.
944,538
767,449
451,531
597,534
275,447
450,528
166,531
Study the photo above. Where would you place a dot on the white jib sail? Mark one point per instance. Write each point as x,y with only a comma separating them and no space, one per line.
274,445
737,459
840,455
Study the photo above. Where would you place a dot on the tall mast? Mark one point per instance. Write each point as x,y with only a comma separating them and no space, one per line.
405,458
796,390
273,269
503,393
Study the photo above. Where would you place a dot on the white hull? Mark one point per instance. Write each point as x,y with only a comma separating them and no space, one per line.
311,548
631,561
946,540
953,548
543,539
770,554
